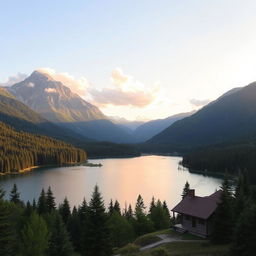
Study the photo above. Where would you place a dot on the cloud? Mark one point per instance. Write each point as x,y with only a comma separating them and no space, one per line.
118,77
30,84
125,90
14,79
50,90
199,103
78,86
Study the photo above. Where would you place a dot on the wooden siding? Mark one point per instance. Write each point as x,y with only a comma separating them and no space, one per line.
199,227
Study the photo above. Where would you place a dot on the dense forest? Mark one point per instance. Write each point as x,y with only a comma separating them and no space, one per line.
20,150
44,229
224,158
41,228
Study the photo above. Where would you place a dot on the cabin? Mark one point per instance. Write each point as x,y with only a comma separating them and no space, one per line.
196,214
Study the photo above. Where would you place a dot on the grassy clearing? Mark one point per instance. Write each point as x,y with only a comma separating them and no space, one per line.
129,249
187,249
153,237
146,239
179,248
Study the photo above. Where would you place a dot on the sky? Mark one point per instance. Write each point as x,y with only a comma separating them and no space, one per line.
143,59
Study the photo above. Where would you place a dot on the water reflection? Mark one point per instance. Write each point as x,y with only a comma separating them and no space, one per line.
121,179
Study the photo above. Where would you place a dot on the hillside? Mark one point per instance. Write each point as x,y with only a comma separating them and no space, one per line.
20,150
231,117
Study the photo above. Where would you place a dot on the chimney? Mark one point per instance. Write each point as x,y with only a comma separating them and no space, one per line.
191,193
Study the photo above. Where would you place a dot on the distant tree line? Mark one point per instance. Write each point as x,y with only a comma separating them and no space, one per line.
20,150
43,228
229,159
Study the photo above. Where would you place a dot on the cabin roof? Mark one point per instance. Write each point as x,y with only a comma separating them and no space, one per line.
200,207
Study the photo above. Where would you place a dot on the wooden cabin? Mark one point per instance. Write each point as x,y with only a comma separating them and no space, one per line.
196,214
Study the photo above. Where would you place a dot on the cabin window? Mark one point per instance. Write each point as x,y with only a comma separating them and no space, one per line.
201,222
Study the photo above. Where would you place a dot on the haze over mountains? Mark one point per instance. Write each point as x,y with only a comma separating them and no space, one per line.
55,102
231,117
44,104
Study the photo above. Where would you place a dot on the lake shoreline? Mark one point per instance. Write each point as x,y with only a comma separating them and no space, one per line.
32,168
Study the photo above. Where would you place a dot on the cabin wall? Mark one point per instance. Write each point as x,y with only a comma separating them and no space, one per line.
194,225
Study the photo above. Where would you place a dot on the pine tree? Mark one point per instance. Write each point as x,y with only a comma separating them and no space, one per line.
50,200
243,243
28,209
122,231
75,228
42,204
15,195
98,230
111,207
142,223
6,230
64,210
117,207
223,223
140,206
129,213
83,213
159,217
34,205
185,189
34,237
152,205
59,243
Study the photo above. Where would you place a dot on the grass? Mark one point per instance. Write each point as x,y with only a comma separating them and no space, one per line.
187,249
129,249
179,248
147,239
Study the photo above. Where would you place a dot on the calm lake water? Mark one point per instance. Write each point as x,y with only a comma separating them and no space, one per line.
122,179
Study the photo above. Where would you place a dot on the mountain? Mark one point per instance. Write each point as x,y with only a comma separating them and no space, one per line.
57,103
53,100
231,117
101,130
149,129
129,126
22,118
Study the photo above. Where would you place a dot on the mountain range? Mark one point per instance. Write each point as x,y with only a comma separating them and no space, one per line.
231,117
49,107
53,101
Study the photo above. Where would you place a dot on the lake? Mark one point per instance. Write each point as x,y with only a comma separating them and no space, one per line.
122,179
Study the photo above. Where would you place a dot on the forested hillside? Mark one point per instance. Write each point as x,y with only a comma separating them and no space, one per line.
230,158
20,150
231,117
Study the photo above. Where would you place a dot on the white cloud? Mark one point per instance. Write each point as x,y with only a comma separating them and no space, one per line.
125,90
14,79
30,84
199,103
118,77
50,90
78,86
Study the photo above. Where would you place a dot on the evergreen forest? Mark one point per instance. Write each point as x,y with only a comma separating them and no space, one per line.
21,150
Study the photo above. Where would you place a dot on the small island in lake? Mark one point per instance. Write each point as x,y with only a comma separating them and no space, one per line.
92,164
